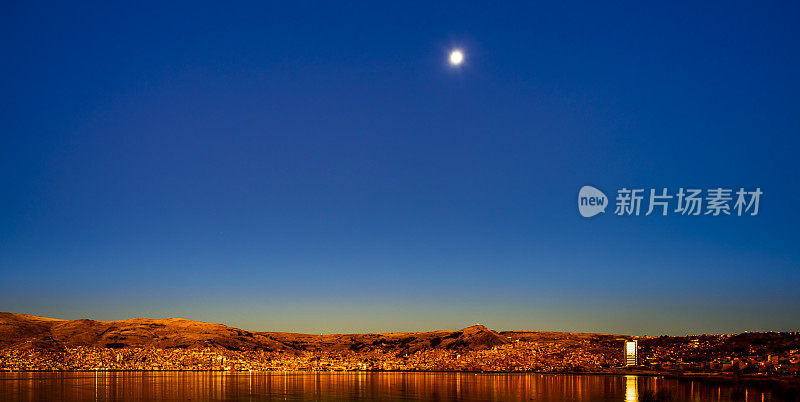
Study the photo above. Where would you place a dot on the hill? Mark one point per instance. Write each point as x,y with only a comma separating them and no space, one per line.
18,330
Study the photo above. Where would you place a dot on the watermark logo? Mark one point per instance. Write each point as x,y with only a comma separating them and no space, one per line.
662,201
591,201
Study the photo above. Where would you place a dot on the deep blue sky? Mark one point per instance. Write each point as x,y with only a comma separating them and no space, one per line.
320,167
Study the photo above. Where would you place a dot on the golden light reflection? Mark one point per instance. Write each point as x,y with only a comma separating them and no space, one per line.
631,389
365,386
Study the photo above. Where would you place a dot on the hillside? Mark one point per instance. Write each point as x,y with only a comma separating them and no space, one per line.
38,343
19,330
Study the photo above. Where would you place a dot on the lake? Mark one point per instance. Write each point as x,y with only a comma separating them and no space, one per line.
364,386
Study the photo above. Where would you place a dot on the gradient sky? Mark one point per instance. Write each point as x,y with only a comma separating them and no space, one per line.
320,168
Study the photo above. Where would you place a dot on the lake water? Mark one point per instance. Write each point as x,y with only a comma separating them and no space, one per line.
290,386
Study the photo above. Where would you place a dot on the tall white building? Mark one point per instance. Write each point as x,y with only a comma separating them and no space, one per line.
630,353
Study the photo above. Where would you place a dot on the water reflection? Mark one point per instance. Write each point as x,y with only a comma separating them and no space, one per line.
219,386
631,389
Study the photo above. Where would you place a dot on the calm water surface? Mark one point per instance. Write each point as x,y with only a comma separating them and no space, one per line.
246,386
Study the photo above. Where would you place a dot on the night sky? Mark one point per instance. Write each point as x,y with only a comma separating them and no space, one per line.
320,167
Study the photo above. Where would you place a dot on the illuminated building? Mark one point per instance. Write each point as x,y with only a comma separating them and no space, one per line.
630,353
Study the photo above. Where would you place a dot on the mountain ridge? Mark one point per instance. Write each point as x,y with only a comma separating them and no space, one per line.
43,332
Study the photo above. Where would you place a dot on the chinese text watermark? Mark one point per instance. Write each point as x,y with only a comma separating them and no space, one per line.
661,201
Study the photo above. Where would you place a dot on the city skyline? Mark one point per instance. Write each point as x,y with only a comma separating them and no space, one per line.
321,168
39,343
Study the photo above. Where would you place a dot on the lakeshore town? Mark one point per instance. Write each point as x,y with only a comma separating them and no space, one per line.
712,354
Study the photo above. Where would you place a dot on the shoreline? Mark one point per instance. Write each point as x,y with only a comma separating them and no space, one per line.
671,375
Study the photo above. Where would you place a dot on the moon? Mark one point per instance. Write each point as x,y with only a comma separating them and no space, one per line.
456,57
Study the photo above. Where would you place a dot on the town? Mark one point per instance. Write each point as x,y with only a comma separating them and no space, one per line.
759,354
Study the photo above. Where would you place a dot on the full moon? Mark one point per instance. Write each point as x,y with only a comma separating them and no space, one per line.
456,57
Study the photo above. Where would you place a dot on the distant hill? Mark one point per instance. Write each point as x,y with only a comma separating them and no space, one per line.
20,330
36,343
